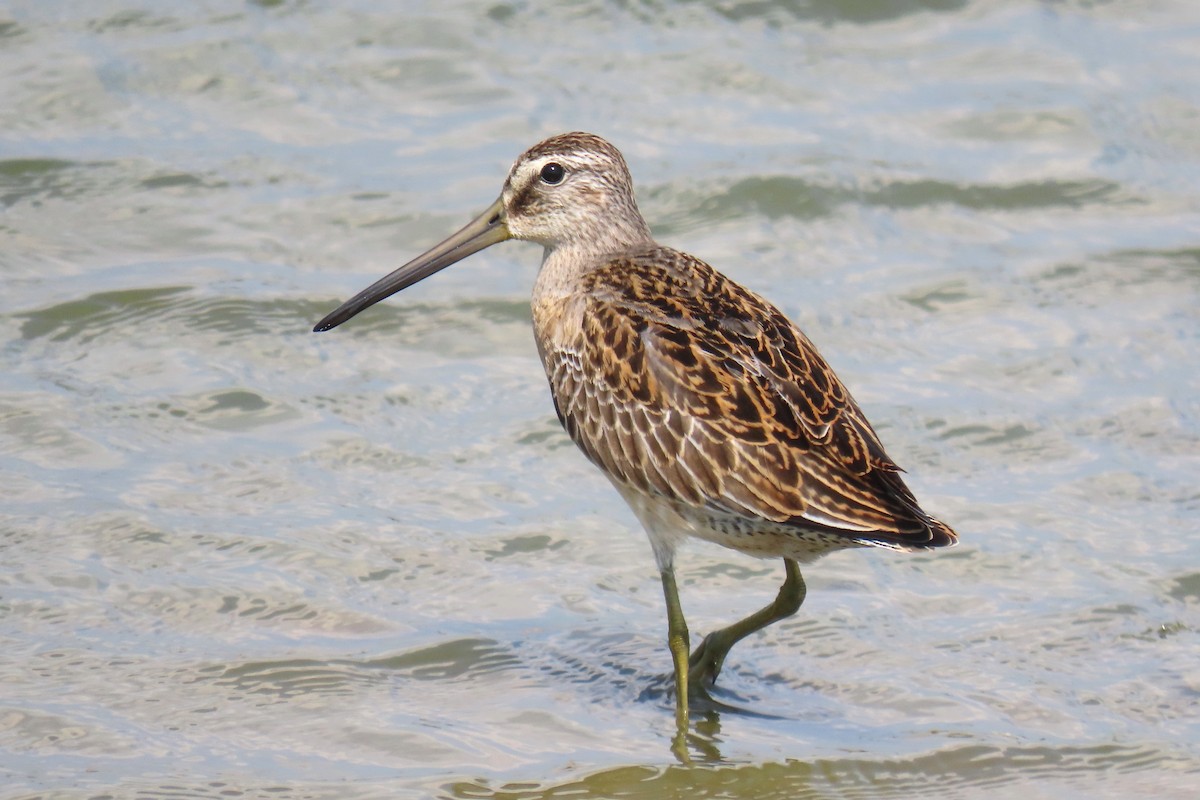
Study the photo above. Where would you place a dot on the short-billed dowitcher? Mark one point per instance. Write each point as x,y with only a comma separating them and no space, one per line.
711,413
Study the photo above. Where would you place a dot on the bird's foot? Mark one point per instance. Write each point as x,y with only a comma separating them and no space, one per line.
704,665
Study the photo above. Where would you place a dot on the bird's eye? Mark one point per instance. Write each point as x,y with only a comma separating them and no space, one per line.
552,173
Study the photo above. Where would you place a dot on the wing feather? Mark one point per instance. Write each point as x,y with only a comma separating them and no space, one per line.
682,383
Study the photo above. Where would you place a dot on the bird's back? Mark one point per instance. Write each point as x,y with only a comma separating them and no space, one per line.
695,394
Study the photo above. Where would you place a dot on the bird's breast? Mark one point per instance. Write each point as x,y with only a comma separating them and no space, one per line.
558,322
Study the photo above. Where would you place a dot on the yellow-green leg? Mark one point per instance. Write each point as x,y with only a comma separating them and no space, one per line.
677,640
705,664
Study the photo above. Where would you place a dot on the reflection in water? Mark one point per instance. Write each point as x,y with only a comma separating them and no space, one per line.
960,771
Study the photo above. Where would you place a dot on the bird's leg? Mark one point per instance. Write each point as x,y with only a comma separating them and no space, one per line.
677,640
705,664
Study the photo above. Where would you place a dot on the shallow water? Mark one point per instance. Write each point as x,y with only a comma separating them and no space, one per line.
240,559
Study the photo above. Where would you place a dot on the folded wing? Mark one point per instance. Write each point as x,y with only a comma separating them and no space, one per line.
684,384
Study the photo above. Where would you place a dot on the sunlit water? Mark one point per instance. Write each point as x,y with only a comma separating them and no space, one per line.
240,559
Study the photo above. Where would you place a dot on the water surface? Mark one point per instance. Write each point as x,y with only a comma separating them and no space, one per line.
241,559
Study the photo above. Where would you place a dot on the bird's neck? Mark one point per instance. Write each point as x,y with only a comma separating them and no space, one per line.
564,266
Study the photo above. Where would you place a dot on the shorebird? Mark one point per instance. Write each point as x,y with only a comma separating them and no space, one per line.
712,414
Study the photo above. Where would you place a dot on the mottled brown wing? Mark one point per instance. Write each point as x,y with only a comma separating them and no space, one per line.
686,385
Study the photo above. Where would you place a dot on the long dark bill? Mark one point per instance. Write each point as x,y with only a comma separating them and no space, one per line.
484,231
